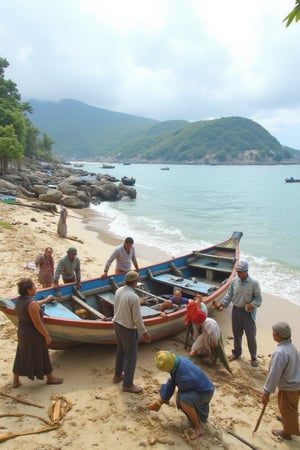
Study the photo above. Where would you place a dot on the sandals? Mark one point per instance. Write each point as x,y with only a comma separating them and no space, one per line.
281,434
232,357
134,389
118,378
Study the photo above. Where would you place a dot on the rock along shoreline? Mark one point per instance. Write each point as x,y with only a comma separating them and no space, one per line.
75,188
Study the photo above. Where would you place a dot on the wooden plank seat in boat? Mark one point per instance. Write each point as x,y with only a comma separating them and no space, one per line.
59,311
212,262
195,286
88,307
109,297
145,310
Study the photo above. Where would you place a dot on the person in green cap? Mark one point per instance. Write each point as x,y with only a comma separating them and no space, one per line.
194,388
69,268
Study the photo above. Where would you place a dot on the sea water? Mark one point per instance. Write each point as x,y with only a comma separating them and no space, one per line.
192,206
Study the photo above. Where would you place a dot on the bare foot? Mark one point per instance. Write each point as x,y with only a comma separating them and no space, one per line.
16,385
55,380
197,433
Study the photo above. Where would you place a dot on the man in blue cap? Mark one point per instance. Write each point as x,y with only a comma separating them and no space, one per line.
245,296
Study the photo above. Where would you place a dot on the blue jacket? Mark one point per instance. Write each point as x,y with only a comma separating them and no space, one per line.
187,377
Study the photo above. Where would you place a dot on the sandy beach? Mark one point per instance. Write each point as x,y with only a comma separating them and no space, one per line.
102,416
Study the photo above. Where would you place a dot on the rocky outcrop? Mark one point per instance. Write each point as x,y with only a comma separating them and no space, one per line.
67,186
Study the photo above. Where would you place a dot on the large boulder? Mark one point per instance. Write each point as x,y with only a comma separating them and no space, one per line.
39,189
8,188
67,189
73,180
106,191
126,191
51,196
74,202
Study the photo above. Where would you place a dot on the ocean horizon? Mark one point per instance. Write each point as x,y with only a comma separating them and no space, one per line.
189,207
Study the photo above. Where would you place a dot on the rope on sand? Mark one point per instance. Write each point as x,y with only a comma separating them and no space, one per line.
49,426
21,400
58,408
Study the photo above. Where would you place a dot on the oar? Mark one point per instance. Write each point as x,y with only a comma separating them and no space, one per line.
260,417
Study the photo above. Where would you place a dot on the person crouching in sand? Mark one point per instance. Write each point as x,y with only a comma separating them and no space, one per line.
194,388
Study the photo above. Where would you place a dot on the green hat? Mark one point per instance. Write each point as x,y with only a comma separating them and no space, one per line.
165,360
72,250
131,276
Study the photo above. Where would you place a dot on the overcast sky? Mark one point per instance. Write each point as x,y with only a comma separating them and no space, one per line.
161,59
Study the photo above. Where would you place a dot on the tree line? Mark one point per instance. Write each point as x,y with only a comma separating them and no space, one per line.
19,138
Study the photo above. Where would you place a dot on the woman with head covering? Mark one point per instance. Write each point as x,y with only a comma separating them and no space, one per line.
284,373
208,340
194,388
45,264
62,222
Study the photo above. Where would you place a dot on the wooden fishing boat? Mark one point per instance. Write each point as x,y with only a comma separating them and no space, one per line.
85,316
128,181
292,180
107,166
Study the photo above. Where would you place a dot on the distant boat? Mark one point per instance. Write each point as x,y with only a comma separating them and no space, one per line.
126,163
107,166
292,180
165,168
78,165
85,316
128,181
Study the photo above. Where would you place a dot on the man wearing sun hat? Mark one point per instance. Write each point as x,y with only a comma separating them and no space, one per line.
245,296
128,323
194,388
284,373
69,268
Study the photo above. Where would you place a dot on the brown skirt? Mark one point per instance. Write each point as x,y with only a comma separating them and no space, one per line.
32,356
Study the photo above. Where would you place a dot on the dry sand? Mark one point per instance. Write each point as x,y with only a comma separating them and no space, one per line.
102,416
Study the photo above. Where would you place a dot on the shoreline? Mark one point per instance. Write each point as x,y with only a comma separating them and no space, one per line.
90,227
109,417
273,307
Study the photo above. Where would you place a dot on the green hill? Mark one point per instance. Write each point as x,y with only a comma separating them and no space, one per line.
81,131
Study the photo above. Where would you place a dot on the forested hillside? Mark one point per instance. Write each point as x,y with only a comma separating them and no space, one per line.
81,131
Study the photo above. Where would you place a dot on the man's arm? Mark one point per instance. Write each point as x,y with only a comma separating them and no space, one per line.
58,271
110,260
78,271
257,298
134,261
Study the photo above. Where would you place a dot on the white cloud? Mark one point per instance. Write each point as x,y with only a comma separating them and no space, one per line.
165,59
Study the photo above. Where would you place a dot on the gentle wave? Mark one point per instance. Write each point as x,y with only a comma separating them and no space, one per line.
274,277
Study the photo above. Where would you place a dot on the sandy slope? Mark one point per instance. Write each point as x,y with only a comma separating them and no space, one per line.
102,415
